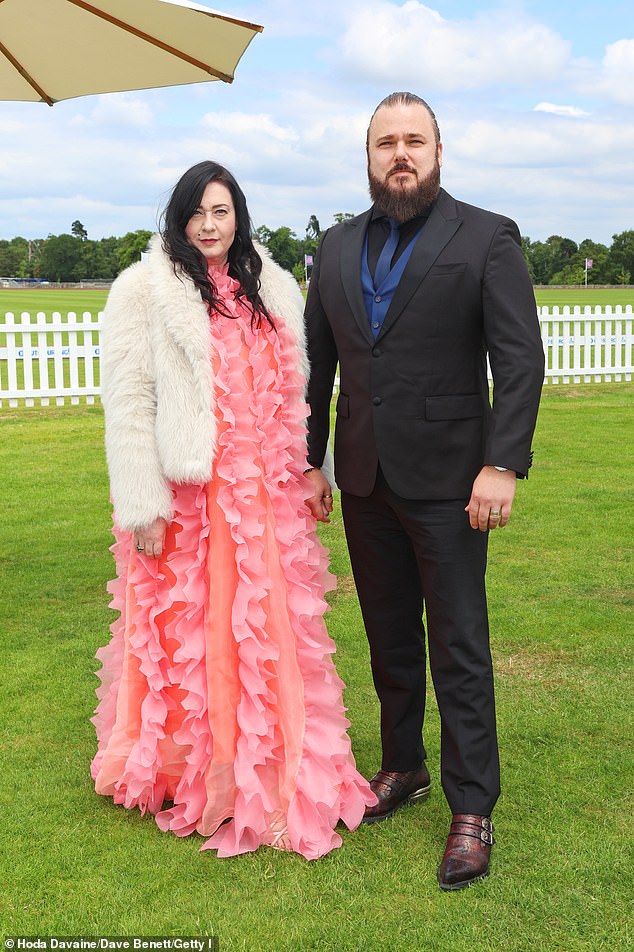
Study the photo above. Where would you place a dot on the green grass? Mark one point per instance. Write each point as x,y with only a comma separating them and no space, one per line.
47,300
580,296
561,615
64,300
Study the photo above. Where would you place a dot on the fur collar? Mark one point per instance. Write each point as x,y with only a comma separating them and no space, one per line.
175,299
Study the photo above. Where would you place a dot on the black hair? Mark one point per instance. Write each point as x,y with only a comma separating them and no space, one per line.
245,264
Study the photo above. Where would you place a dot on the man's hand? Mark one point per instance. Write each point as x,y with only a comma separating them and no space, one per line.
491,498
320,503
150,539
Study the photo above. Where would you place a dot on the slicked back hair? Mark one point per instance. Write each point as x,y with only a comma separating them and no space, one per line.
405,99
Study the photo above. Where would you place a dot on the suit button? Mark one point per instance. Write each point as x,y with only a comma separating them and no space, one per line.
377,401
378,299
376,352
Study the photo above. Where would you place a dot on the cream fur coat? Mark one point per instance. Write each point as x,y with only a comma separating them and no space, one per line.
157,382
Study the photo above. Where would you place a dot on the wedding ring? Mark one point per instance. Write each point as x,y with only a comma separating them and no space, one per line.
495,512
327,495
140,548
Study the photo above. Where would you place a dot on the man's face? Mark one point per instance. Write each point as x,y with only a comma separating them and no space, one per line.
402,148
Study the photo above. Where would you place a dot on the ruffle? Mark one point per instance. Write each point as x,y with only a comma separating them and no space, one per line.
140,754
218,688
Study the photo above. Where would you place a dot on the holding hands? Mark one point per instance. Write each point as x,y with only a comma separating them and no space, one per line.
489,507
320,503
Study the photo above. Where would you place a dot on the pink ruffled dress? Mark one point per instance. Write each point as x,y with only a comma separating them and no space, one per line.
218,689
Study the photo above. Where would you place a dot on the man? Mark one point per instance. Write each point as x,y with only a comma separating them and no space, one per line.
409,298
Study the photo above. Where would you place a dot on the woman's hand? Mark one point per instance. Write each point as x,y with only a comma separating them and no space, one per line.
150,539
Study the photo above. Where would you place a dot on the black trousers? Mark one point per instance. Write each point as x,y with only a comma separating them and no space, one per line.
407,554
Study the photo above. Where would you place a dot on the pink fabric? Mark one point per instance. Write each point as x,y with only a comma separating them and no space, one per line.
218,690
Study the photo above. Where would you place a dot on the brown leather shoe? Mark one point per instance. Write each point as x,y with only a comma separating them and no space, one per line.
467,852
394,789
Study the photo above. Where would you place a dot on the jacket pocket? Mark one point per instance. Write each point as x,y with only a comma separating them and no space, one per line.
343,405
459,407
439,270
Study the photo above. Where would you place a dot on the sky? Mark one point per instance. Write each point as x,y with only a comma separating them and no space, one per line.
535,102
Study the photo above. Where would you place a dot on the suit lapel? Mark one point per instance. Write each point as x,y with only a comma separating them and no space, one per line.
440,228
351,251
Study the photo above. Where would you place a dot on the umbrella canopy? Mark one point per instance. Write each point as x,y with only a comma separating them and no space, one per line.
59,49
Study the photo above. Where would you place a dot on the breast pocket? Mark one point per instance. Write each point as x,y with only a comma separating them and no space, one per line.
448,270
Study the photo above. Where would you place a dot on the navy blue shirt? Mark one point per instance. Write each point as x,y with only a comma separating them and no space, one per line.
379,229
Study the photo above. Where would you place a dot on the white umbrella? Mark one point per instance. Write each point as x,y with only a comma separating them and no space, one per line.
59,49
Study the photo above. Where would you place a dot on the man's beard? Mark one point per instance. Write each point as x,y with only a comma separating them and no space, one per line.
404,203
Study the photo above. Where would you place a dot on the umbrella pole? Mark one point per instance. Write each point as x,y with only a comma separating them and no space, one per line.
21,70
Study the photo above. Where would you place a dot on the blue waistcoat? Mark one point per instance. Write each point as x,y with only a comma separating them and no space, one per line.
378,300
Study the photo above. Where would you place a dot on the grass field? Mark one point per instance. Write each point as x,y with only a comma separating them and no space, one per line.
582,297
63,300
48,300
560,592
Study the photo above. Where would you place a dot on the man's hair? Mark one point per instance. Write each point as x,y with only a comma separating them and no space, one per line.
404,99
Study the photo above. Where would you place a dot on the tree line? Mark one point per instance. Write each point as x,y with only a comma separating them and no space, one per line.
71,257
75,257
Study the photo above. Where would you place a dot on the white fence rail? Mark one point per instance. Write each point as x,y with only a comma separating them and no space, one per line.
587,345
55,358
51,358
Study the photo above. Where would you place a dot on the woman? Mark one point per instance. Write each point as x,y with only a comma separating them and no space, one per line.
218,693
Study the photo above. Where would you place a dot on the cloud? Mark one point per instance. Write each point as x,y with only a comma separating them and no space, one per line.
235,125
117,111
555,110
551,175
292,126
412,43
288,18
610,80
617,80
537,142
253,145
101,218
321,143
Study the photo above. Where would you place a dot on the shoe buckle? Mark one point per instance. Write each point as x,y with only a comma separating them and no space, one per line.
486,824
487,837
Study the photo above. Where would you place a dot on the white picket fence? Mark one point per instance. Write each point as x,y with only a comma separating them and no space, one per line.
50,358
587,345
55,358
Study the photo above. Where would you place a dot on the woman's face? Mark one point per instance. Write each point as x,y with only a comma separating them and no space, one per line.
212,227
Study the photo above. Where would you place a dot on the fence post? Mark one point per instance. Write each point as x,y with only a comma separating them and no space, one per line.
589,344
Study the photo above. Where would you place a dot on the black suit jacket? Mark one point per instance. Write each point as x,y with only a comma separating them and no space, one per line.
417,399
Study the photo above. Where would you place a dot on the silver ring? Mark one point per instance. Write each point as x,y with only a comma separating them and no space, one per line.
140,548
494,512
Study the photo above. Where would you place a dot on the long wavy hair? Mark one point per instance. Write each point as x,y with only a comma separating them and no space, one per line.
245,264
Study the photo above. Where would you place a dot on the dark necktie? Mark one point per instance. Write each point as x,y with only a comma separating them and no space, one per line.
384,263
